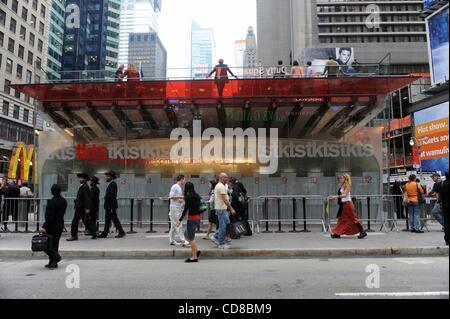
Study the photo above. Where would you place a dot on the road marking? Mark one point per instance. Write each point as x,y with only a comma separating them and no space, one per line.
394,294
414,261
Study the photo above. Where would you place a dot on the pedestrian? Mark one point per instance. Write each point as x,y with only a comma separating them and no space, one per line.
221,71
339,199
331,68
309,70
131,73
280,71
111,206
436,192
176,197
239,201
212,216
95,206
119,73
4,206
223,209
445,197
82,207
348,223
192,208
12,202
26,194
414,191
397,191
296,70
54,225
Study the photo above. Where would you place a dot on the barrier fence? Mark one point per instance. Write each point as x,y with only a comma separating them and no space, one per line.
277,213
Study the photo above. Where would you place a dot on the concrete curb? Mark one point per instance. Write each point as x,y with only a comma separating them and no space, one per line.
239,253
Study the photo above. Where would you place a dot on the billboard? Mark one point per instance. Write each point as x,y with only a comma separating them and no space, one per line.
319,57
437,25
431,128
429,3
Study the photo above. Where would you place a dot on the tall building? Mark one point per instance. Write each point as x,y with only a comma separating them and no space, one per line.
146,51
95,44
23,57
136,16
56,39
239,49
372,28
250,54
202,50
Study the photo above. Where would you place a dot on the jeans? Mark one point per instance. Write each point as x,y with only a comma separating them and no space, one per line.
437,214
175,215
224,219
414,215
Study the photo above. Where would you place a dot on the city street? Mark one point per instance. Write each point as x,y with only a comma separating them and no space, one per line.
228,278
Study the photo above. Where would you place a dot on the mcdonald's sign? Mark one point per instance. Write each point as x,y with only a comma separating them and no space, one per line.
24,154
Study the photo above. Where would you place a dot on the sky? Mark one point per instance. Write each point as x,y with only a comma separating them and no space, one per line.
229,19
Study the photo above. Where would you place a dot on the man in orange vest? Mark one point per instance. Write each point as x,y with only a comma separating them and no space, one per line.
221,70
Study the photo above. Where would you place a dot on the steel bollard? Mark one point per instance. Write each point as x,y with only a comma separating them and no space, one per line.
151,231
279,216
368,215
266,214
294,216
305,230
170,224
132,217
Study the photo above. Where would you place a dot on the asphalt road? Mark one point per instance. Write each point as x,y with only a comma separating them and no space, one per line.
228,278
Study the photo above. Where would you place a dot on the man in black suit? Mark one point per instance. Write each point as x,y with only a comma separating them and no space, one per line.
111,207
82,207
91,217
54,224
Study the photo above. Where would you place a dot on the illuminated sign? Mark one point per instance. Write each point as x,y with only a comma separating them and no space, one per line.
24,154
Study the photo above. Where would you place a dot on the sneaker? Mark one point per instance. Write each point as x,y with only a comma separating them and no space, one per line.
216,243
420,232
228,241
224,246
186,245
72,239
362,235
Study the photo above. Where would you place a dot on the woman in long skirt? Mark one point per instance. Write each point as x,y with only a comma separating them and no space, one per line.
348,223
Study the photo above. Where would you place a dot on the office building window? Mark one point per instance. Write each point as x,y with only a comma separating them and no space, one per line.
13,25
11,44
16,112
29,76
15,5
2,17
30,58
26,115
24,14
6,87
32,39
5,110
9,66
35,4
2,38
40,45
21,52
42,11
19,71
23,33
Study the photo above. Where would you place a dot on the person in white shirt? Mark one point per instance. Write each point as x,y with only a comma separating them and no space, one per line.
25,191
222,206
309,70
176,197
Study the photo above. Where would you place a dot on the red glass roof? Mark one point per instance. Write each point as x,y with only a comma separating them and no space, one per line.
192,90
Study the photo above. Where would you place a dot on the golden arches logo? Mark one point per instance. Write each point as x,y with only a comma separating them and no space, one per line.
24,154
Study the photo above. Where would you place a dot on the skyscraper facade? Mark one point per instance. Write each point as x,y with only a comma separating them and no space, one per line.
94,45
23,58
239,49
250,53
56,39
146,51
136,16
202,50
373,29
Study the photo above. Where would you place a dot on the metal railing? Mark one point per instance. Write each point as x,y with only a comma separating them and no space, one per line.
293,213
259,72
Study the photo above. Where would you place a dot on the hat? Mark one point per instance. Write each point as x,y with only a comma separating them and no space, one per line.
95,180
111,173
436,175
86,176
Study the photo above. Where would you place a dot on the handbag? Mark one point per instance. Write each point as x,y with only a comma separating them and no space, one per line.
420,196
203,207
41,242
238,229
405,197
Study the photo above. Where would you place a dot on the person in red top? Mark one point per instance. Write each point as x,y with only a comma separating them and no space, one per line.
221,70
131,73
192,208
414,190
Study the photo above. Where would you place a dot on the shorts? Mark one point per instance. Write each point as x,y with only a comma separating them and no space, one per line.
212,217
191,229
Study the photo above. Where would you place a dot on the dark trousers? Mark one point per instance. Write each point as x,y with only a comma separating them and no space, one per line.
111,215
91,222
79,214
446,227
399,208
53,252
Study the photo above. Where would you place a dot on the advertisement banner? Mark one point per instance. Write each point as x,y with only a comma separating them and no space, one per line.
319,57
437,25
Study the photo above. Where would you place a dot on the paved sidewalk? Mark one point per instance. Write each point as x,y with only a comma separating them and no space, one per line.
314,244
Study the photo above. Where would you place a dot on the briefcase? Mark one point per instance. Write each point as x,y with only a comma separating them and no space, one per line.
41,242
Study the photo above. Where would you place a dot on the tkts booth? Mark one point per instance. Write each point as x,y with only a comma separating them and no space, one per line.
291,136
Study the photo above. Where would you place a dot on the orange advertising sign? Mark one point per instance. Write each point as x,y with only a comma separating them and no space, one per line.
433,138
